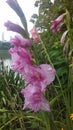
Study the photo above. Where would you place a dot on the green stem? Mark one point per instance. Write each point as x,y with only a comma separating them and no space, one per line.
48,57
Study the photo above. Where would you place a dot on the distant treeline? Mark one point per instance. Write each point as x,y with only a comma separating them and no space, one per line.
4,45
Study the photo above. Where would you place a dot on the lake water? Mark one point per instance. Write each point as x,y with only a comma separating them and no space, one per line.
5,57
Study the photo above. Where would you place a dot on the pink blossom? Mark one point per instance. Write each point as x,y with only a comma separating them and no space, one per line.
49,73
34,99
14,27
63,37
19,41
57,28
16,7
65,48
43,75
12,3
20,58
57,23
34,34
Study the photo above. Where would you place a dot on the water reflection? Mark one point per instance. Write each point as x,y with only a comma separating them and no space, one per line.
7,63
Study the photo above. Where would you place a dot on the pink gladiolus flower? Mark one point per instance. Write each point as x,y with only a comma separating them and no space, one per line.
65,48
43,75
15,6
57,23
20,58
12,3
49,73
57,28
63,36
34,34
20,42
14,27
34,99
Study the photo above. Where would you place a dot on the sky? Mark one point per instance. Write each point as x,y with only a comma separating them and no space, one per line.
6,13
